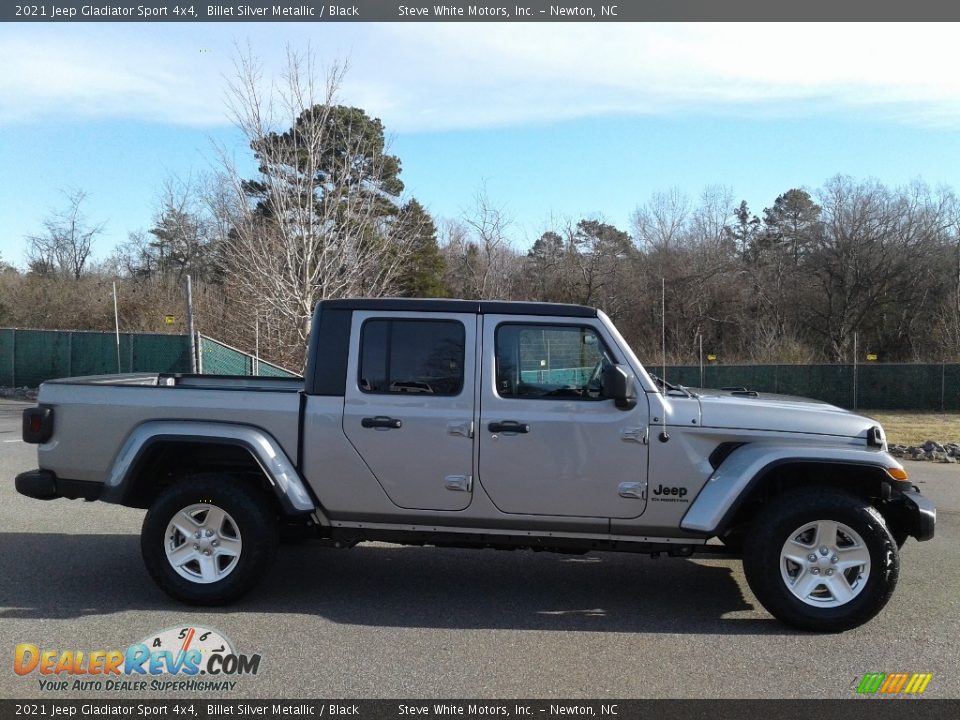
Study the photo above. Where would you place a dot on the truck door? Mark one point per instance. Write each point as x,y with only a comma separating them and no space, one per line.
549,443
409,404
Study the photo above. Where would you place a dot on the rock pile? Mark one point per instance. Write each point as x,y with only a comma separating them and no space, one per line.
930,450
18,393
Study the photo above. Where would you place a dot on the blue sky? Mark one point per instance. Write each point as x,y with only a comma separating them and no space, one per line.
557,122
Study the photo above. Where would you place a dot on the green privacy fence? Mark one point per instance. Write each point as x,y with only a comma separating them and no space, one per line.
29,357
888,386
866,387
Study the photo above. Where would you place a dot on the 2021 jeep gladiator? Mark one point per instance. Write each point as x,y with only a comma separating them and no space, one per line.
483,424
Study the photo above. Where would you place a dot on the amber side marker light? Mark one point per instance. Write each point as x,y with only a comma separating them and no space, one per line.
897,473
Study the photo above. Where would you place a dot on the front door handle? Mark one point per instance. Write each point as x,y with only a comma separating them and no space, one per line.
508,426
460,483
381,421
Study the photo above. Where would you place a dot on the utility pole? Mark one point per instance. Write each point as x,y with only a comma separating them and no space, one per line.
854,370
116,324
256,346
193,342
700,338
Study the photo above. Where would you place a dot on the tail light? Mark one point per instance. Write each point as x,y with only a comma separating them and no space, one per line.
37,424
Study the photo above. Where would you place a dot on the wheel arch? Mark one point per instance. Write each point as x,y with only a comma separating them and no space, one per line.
754,474
864,480
159,452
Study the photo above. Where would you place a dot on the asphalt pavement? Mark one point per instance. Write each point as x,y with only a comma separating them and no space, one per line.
381,621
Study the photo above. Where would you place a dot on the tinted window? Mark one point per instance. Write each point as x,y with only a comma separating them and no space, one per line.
550,362
412,356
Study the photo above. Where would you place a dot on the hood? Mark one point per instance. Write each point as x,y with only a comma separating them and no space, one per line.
784,413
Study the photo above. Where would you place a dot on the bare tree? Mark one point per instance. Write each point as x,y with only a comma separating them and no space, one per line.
489,225
183,239
317,220
870,259
480,261
662,222
65,246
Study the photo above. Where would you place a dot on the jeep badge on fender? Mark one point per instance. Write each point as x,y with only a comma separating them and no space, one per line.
664,492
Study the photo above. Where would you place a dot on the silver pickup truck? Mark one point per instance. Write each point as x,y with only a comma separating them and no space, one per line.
489,425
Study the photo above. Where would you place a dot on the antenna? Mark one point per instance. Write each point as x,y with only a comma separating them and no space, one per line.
663,349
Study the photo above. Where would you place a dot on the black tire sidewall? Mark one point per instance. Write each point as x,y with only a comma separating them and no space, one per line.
764,542
251,512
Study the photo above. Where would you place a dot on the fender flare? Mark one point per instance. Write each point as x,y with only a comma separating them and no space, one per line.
747,466
265,450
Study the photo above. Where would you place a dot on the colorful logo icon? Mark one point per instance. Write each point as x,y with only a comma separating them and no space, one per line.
893,683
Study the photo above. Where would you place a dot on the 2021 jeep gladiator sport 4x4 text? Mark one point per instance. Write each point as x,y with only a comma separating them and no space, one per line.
485,424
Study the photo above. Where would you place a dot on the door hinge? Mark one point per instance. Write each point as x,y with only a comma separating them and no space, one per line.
461,428
635,434
460,483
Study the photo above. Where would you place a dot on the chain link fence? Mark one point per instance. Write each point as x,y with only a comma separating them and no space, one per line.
218,358
30,357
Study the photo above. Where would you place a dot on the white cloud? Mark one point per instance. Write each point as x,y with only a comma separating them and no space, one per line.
94,72
450,76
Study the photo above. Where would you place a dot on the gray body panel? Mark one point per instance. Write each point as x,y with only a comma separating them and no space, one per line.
276,466
771,413
585,469
416,464
745,464
577,452
94,420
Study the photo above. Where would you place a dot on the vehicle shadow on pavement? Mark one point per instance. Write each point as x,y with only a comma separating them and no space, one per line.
63,576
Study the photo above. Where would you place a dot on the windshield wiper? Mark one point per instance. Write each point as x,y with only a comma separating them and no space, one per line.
670,386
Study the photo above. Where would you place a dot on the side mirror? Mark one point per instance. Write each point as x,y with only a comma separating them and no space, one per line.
618,385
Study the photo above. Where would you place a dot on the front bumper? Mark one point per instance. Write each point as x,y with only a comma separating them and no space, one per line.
45,485
919,514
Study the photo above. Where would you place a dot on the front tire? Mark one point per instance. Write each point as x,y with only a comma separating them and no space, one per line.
821,559
208,539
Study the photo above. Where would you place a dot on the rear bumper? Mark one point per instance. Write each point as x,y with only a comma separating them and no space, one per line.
920,515
45,485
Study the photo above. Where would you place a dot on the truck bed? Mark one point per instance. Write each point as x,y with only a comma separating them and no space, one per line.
207,382
94,415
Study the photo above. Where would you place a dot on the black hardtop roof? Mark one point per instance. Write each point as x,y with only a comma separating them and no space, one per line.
483,307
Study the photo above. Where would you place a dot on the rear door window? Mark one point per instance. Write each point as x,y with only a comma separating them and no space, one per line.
412,356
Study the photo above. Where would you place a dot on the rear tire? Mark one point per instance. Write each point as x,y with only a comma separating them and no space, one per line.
208,539
821,559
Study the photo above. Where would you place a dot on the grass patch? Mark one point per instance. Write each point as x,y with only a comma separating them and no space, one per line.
915,428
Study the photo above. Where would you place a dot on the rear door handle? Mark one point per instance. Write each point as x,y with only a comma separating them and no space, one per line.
381,421
508,426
